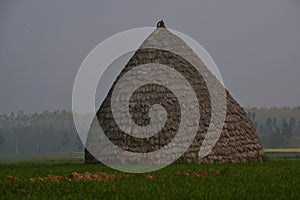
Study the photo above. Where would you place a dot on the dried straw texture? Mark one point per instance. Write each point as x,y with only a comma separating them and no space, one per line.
238,142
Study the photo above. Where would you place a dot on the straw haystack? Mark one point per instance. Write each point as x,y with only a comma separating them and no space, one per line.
238,141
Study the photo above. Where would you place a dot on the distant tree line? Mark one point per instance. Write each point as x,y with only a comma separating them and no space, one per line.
277,127
50,132
46,132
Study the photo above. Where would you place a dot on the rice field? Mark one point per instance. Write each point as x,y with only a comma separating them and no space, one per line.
272,179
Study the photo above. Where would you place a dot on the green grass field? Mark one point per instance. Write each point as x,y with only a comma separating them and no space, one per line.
273,179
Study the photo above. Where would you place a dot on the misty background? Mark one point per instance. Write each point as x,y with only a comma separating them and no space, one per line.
255,44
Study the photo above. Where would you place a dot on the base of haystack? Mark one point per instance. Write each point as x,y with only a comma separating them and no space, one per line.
210,159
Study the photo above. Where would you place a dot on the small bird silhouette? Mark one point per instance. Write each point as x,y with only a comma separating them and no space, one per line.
161,24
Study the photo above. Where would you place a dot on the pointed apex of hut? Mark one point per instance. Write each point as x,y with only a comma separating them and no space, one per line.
161,24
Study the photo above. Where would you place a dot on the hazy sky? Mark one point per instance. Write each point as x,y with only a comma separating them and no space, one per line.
255,44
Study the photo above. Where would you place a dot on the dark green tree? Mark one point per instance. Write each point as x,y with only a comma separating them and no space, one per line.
253,117
274,122
268,126
286,131
292,125
1,137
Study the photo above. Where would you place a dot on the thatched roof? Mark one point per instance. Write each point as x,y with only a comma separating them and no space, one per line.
238,141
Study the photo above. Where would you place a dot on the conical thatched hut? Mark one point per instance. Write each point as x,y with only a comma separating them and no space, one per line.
238,141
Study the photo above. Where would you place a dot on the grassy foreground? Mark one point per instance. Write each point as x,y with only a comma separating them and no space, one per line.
274,179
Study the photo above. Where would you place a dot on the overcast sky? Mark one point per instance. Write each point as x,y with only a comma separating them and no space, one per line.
255,44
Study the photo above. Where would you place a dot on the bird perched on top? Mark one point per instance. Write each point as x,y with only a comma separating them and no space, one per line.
161,24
